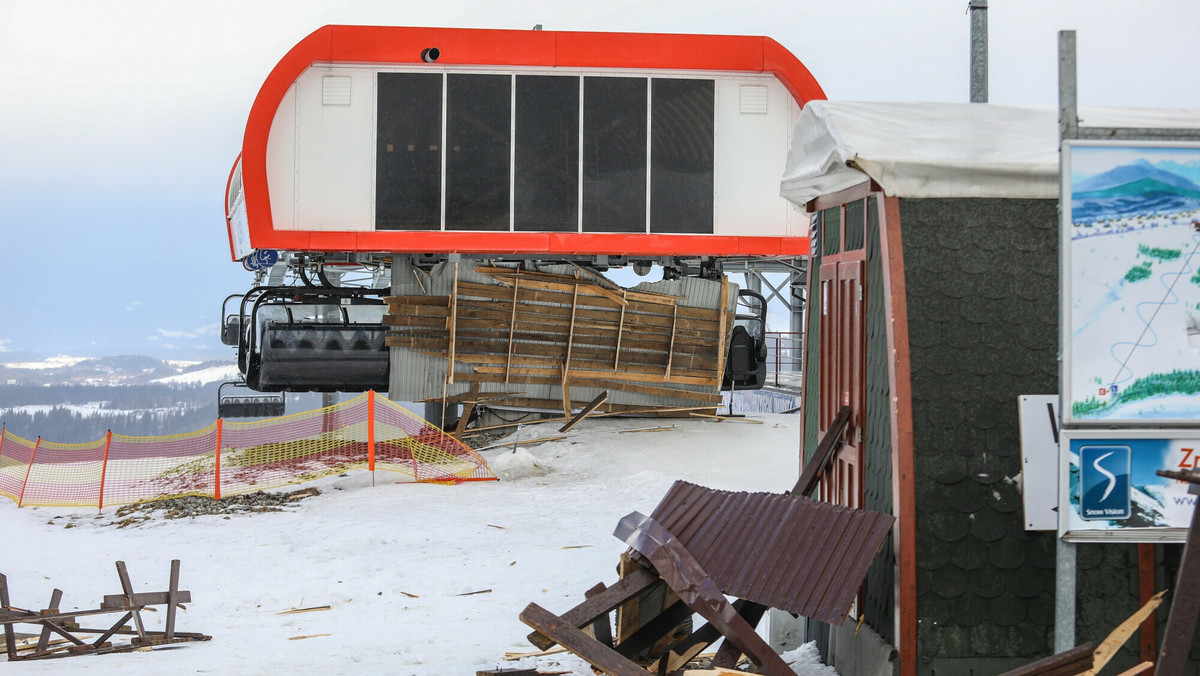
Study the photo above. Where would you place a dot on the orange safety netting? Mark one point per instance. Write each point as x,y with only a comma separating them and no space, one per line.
367,432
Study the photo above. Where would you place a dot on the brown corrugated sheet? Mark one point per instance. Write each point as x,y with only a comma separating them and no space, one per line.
786,552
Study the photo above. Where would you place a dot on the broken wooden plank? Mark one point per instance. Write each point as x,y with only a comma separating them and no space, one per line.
10,640
722,329
664,428
723,418
595,403
820,459
468,409
453,327
1109,646
139,599
511,328
1077,660
311,609
513,656
523,442
601,604
600,656
127,587
44,639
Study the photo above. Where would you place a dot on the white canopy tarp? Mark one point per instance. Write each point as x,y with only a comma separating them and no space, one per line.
942,149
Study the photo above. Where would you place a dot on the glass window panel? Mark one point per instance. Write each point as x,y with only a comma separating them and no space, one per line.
831,235
681,156
855,224
408,158
478,155
614,154
547,148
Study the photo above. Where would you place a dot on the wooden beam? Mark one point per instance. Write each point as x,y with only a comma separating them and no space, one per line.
601,604
601,629
465,418
595,403
512,326
722,329
10,638
44,639
453,326
571,334
599,656
671,345
127,587
820,459
617,349
565,391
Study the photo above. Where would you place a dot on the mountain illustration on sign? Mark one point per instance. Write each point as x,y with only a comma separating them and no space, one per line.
1136,188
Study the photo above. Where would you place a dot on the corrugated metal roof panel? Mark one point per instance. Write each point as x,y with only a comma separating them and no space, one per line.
783,551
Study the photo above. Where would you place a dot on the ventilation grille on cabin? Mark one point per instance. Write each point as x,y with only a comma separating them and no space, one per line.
335,90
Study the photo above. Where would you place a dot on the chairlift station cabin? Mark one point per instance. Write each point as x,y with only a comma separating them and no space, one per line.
532,143
401,147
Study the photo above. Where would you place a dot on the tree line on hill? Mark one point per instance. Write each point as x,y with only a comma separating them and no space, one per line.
132,410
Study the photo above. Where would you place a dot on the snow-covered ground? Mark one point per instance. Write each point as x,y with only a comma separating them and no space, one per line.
421,579
212,374
55,362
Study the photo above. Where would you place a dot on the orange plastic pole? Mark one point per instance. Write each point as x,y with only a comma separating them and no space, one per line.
104,468
29,469
371,430
217,484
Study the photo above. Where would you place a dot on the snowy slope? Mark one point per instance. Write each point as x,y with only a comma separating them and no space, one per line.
365,549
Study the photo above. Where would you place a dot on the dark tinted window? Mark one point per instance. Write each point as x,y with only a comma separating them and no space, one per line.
478,131
547,167
681,156
408,158
614,154
855,224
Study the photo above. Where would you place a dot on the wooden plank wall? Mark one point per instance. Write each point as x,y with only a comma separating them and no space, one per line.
550,329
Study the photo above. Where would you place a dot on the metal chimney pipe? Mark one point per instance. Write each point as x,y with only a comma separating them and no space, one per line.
979,51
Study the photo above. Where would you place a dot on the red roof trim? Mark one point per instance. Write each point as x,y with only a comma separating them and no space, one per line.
385,44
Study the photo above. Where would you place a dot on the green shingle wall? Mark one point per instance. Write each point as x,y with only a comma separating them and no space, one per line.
879,598
982,295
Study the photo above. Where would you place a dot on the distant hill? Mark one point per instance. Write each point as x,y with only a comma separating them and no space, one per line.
118,370
73,400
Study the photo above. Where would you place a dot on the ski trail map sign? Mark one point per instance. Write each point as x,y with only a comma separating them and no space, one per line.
1131,250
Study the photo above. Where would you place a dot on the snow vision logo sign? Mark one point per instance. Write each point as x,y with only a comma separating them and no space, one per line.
1104,486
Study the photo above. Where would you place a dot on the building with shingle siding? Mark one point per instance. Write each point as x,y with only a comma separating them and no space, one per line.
933,305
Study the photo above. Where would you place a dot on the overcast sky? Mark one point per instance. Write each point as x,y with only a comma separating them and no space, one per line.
120,119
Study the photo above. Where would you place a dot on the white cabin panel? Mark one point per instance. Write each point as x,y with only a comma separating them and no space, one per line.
753,122
281,163
335,142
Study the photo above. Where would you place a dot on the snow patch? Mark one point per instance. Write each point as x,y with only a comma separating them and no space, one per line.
212,374
806,661
55,362
516,464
